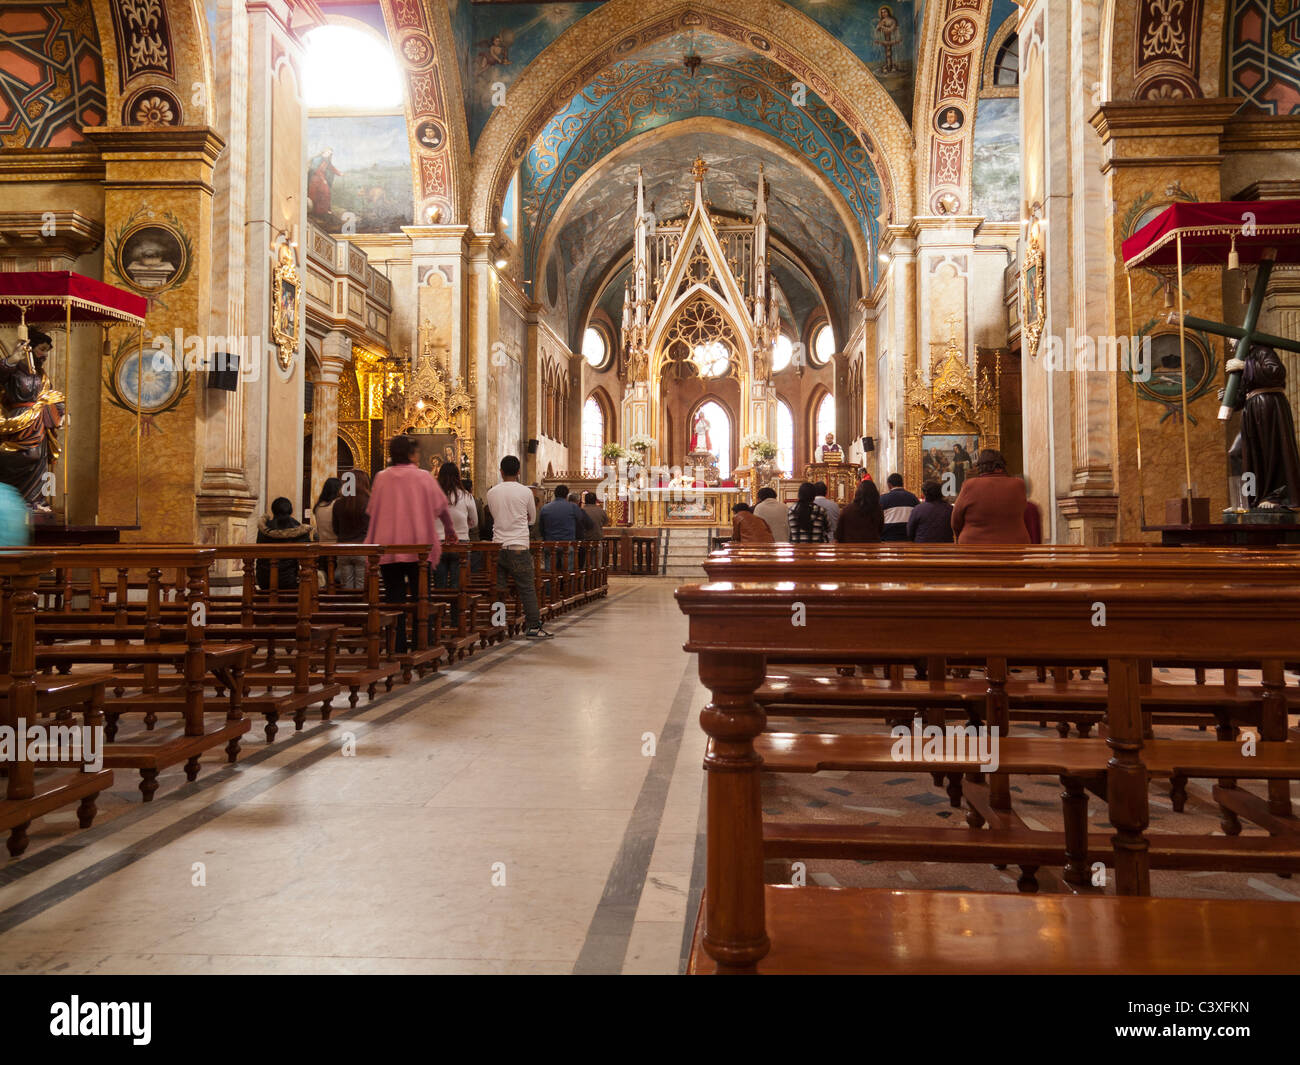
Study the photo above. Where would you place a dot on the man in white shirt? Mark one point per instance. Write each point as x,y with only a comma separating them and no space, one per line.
829,505
513,510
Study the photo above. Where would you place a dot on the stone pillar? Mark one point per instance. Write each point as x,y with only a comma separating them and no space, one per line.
225,498
335,354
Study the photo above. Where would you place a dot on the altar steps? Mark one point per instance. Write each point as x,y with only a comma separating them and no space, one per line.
682,552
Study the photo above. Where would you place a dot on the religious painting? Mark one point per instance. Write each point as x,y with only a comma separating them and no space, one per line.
948,453
1165,385
430,135
995,155
437,447
359,173
285,295
949,120
881,35
504,39
151,257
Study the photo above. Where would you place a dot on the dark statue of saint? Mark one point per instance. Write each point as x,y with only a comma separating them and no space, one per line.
33,414
1266,443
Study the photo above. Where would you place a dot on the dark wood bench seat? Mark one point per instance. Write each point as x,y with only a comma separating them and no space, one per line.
55,788
153,752
874,930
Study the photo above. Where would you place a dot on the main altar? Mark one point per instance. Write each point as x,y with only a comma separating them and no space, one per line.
700,306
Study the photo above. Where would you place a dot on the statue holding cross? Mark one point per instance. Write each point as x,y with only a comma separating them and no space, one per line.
1266,444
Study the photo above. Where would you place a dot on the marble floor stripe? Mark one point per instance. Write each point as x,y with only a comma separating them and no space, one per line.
611,926
390,710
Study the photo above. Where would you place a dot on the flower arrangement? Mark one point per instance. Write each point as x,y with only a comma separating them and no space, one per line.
613,452
641,442
760,446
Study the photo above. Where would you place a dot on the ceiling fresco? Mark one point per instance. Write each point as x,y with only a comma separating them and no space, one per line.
652,89
596,230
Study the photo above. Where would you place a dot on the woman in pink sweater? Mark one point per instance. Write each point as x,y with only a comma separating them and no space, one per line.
405,506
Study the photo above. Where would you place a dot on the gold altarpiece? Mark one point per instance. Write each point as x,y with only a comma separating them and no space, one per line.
953,402
392,396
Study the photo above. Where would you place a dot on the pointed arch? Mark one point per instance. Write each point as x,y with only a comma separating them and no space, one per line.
791,39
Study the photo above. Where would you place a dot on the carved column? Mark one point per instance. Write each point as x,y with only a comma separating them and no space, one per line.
335,354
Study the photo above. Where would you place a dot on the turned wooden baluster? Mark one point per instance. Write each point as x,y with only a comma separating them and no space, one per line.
20,707
1126,779
121,616
1273,728
195,663
735,933
1074,805
302,630
372,611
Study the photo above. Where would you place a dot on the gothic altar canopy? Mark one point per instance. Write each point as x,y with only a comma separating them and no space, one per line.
701,303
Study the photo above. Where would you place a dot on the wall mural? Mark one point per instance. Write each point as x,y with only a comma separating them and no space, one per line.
654,89
883,36
1264,56
502,40
359,173
53,77
995,166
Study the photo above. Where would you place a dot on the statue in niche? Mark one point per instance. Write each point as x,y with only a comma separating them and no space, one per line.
701,442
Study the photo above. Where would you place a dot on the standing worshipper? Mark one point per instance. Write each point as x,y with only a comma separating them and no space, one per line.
990,508
512,509
897,504
747,527
807,522
15,527
322,514
464,516
863,520
774,513
562,519
350,521
931,520
406,506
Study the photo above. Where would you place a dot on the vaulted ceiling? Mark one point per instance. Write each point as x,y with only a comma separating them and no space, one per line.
577,185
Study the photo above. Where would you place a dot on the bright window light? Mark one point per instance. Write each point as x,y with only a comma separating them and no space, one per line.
348,68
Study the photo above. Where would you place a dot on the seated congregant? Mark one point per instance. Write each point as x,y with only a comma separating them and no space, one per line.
774,512
990,508
931,519
823,500
808,523
747,527
897,503
863,520
280,527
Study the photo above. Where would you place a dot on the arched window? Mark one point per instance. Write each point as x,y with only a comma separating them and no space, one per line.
1006,68
785,437
593,436
719,433
823,345
825,420
782,353
348,68
594,348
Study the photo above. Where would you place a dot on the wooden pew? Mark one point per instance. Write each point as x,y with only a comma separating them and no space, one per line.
746,927
31,793
170,676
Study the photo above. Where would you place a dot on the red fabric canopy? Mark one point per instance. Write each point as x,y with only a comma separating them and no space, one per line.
1208,231
46,295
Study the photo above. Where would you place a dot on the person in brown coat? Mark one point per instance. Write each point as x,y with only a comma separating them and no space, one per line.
990,508
747,527
862,521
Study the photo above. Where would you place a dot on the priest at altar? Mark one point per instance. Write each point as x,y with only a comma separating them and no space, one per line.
830,451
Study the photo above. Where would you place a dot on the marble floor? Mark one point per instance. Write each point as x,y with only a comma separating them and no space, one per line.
533,809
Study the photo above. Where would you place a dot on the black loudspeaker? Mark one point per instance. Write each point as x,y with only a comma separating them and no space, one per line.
868,444
226,377
532,447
